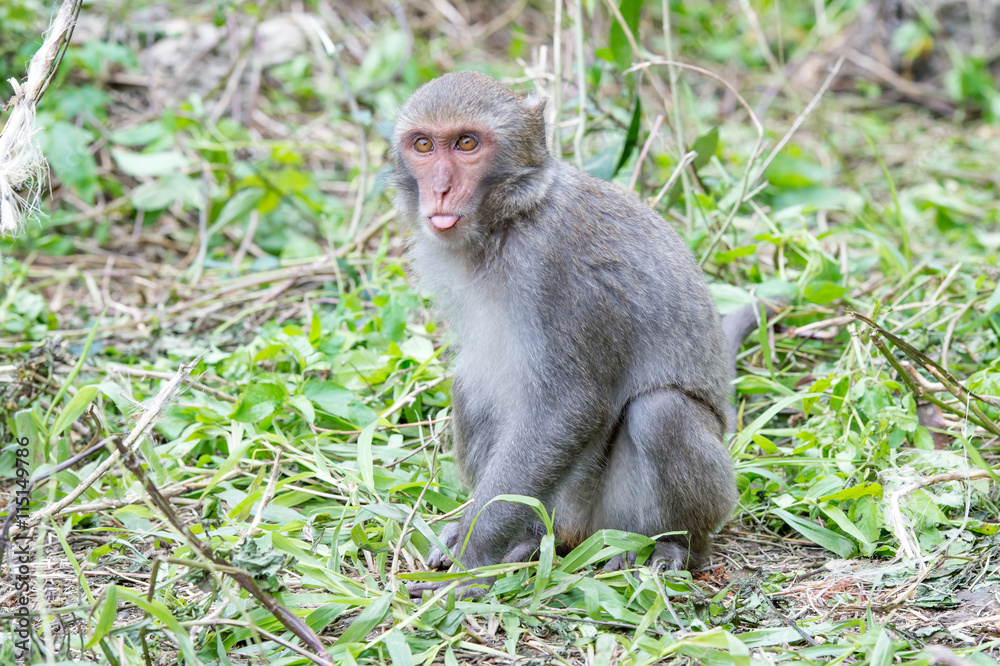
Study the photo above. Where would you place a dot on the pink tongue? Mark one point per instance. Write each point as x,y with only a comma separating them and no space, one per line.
444,221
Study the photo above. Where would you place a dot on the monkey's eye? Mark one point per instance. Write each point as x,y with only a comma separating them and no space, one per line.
467,143
423,145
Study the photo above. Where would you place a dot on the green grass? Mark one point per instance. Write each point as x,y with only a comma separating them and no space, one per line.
311,447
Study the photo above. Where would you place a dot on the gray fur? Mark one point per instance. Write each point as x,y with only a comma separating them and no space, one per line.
591,368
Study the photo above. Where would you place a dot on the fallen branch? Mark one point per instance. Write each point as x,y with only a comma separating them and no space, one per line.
948,380
22,165
290,620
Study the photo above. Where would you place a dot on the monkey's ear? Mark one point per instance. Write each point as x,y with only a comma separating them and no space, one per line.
536,106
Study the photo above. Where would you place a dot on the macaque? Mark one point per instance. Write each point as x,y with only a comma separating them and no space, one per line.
592,370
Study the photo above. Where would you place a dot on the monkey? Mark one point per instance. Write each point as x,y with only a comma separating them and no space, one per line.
591,369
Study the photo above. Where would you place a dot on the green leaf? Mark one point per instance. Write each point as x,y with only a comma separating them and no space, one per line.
810,199
604,649
259,401
977,458
632,137
790,169
883,650
76,368
741,441
144,165
28,423
602,545
330,397
419,348
729,298
399,650
324,615
735,253
372,616
762,338
73,410
993,302
139,135
114,392
602,165
818,535
533,502
82,101
238,207
767,637
394,320
237,450
854,492
259,558
731,650
546,555
705,145
304,406
67,148
766,445
365,455
106,621
618,41
160,612
844,523
162,193
822,292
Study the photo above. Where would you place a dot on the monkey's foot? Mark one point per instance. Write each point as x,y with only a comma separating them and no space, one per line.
473,588
668,555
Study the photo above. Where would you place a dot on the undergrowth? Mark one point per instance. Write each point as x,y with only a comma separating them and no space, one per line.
220,258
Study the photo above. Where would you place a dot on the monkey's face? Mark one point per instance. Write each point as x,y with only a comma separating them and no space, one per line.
449,163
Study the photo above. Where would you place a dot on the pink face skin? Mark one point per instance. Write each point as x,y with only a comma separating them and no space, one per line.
448,162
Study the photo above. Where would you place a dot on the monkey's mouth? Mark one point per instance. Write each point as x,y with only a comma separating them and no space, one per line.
442,222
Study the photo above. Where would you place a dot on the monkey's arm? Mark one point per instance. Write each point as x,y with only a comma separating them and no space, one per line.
529,458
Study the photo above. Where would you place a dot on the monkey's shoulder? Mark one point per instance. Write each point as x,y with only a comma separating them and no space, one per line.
591,229
592,214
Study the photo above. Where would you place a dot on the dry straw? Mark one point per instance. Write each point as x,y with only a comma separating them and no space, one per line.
23,170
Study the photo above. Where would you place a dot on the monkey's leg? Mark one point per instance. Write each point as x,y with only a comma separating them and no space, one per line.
526,548
529,458
475,431
667,471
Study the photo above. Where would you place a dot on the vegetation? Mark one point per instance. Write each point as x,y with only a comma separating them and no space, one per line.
219,256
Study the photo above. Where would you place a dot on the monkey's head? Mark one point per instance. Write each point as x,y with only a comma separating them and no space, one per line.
464,150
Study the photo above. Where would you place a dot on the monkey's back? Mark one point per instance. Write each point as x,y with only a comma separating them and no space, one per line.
619,284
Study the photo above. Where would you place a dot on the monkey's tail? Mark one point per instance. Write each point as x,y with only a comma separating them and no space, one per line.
739,324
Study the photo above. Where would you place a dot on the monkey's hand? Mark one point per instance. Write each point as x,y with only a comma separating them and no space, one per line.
522,551
449,537
472,588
